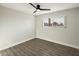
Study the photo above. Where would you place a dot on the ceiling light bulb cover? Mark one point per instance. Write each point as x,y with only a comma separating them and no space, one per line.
38,10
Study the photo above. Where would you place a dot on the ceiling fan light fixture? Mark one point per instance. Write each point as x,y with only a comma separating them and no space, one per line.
38,8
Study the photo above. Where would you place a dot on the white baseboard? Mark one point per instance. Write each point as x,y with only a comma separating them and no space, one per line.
73,46
17,43
43,39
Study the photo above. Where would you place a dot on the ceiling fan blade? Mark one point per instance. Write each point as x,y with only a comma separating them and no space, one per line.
46,9
33,5
35,11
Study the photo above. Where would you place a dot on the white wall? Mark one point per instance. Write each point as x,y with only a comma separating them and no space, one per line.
66,36
78,26
15,27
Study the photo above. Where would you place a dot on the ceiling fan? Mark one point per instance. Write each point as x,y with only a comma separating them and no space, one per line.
38,8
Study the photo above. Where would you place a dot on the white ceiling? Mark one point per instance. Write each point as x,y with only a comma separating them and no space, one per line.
27,8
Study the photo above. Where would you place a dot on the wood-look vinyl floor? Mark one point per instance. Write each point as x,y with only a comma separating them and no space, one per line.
39,47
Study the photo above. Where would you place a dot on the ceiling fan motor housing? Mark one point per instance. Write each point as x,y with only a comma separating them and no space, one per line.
38,6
